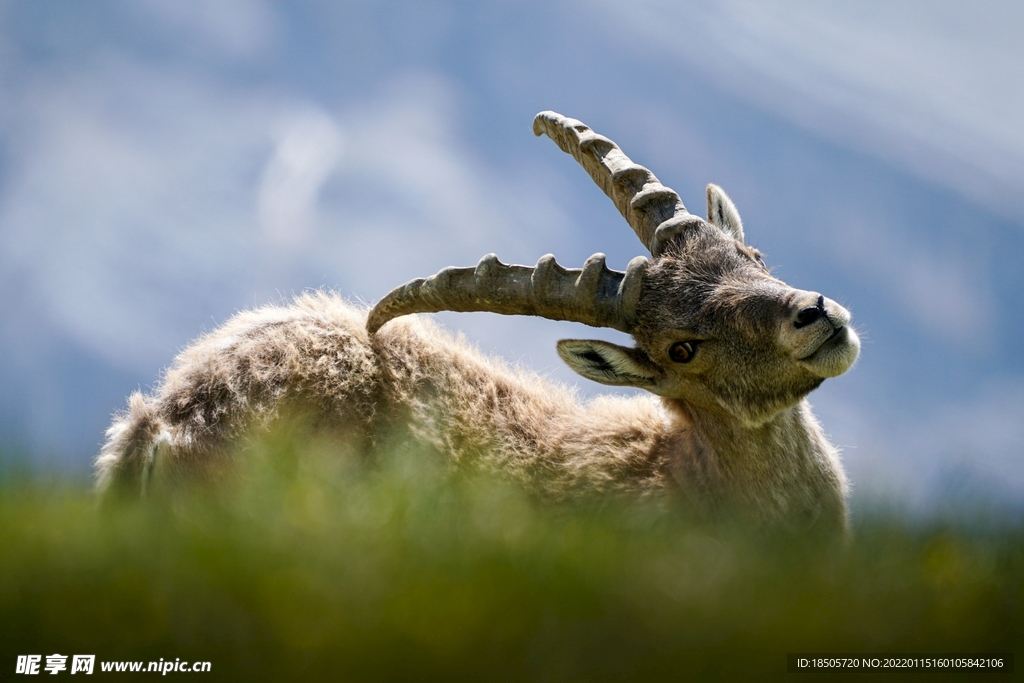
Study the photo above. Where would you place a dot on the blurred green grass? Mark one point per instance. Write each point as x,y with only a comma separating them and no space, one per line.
317,566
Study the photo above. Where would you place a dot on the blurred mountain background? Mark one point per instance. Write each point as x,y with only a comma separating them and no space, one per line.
163,165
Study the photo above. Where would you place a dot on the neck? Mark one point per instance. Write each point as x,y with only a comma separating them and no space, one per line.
782,470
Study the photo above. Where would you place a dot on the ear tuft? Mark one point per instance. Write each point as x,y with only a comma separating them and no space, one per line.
609,363
722,212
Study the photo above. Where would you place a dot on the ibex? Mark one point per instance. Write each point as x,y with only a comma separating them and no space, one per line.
729,351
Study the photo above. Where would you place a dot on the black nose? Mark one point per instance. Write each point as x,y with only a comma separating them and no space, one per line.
810,314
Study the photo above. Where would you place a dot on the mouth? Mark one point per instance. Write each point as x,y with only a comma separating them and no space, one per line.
838,336
835,355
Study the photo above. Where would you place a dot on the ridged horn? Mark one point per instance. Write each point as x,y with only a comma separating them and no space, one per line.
655,212
593,295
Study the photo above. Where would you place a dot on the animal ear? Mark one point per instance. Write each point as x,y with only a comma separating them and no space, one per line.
609,363
722,212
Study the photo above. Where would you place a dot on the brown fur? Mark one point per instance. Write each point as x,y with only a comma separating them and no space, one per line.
315,356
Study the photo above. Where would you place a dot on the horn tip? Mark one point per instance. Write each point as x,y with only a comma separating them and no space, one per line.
373,322
542,120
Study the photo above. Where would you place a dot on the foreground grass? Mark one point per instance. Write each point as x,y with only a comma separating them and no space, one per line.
312,570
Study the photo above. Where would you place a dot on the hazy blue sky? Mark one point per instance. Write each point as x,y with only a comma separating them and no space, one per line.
164,164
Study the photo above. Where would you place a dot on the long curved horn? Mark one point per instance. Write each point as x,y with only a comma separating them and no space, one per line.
655,212
593,295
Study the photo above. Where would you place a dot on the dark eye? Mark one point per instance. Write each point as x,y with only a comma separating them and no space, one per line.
682,352
761,261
